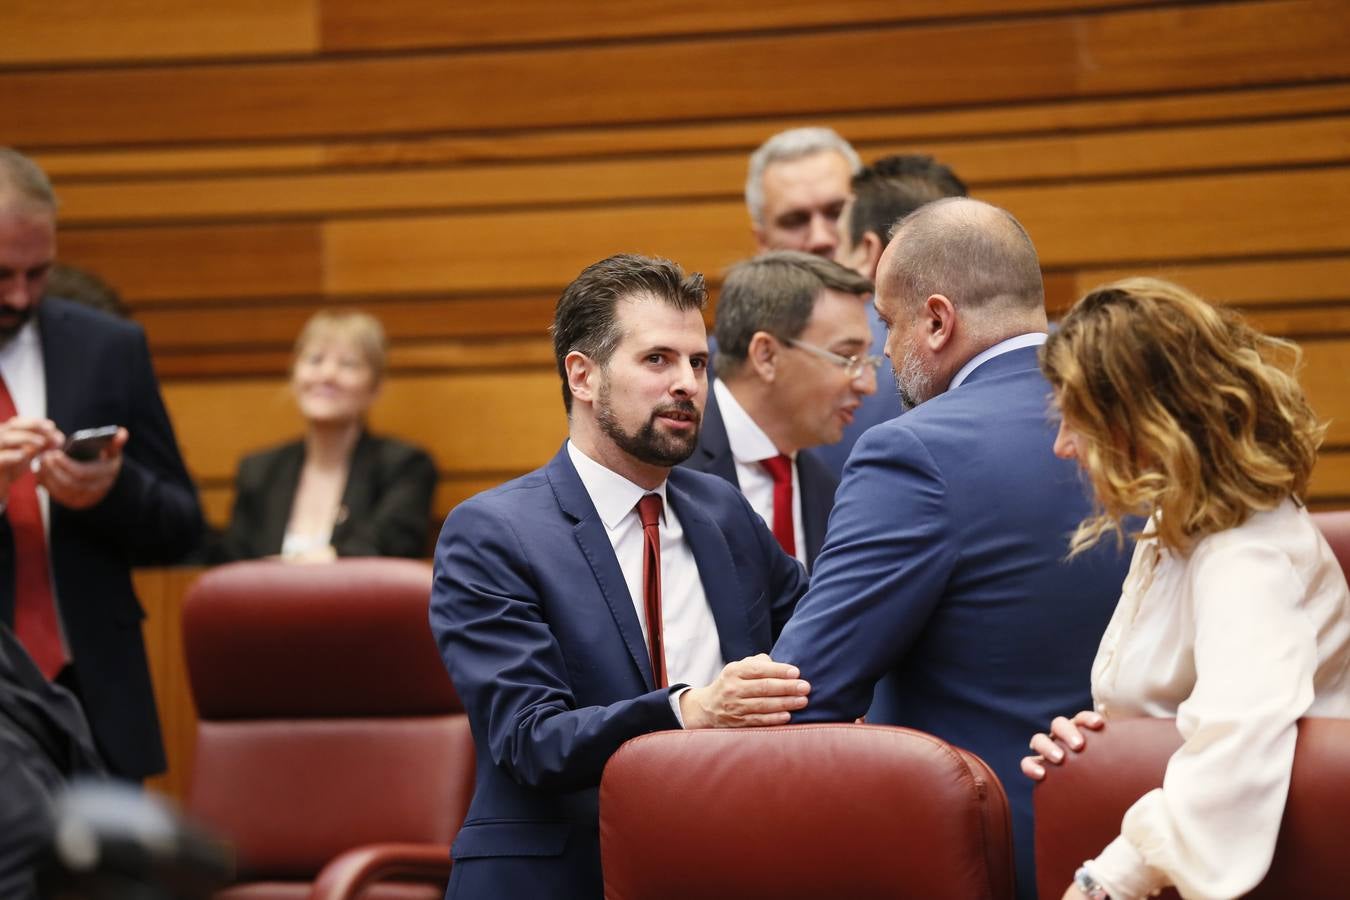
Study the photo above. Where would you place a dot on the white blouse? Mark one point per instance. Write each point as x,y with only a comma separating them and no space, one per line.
1238,640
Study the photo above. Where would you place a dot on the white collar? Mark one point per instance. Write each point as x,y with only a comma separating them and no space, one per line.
613,495
1030,339
749,443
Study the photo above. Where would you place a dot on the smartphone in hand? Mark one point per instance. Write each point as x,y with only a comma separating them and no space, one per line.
86,444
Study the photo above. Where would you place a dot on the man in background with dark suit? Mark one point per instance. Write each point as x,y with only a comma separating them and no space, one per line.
605,595
943,571
792,370
74,526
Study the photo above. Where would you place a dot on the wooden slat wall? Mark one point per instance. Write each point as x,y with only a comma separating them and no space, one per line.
234,166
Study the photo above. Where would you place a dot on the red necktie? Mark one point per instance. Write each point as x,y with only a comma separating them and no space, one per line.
780,467
35,621
649,511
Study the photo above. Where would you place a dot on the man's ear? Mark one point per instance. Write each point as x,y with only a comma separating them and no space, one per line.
758,234
582,376
872,247
940,322
762,355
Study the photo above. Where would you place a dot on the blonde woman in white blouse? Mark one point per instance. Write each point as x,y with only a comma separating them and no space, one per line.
1235,617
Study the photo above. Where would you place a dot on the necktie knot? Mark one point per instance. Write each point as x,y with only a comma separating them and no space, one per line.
649,510
779,468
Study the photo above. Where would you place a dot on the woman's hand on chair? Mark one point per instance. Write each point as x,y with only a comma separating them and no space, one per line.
1049,748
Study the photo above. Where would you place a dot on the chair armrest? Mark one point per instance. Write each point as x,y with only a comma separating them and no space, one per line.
350,872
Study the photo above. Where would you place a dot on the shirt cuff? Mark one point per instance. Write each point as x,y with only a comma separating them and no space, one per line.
1122,870
676,692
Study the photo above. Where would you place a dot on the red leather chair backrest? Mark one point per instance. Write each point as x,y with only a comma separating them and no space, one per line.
1335,527
327,720
1080,804
804,811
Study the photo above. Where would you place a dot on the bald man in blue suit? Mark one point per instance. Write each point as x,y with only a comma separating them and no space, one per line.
942,586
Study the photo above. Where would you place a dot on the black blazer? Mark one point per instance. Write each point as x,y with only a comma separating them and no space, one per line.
98,372
817,482
386,505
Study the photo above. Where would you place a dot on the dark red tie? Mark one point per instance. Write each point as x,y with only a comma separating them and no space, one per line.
34,604
780,467
649,511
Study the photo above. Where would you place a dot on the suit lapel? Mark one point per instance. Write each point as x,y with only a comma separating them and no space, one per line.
58,365
594,544
279,499
716,572
714,448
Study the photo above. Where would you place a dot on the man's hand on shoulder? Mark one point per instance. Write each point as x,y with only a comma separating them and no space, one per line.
752,691
80,485
21,440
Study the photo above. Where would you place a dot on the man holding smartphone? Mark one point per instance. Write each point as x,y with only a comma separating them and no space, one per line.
74,523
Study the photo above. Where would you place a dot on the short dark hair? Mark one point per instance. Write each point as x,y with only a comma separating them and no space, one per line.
774,292
584,319
892,188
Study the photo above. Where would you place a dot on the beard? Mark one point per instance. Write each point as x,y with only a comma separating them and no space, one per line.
914,382
647,444
11,320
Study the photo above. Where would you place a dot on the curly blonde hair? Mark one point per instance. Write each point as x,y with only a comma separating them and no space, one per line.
1181,410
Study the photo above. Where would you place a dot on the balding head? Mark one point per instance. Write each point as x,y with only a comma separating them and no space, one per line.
24,188
958,276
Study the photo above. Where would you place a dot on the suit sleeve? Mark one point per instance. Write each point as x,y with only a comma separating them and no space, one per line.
398,522
886,561
489,621
152,509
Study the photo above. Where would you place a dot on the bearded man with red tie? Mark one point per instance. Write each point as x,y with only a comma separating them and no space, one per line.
72,528
605,595
792,369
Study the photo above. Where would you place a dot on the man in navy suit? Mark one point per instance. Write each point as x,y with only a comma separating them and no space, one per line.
943,574
71,532
541,603
792,371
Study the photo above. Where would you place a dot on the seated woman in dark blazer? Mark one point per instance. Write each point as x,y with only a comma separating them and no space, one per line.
338,491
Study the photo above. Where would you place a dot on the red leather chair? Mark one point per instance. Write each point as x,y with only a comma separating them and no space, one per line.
805,811
1080,804
331,750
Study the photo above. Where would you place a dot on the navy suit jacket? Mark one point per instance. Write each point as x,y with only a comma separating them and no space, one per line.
943,577
539,634
815,479
98,372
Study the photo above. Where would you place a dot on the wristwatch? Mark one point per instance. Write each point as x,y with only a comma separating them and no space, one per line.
1084,881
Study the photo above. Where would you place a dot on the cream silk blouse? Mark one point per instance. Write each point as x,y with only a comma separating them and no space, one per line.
1237,641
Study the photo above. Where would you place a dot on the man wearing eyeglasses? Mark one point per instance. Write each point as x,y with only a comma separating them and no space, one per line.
792,334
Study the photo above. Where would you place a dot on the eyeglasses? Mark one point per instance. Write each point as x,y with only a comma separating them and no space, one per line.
854,366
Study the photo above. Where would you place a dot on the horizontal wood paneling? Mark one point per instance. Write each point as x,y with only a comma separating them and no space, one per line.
1326,378
61,31
355,25
869,132
470,422
173,263
981,163
1153,50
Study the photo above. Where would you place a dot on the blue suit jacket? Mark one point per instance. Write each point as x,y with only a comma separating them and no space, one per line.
539,633
943,577
817,482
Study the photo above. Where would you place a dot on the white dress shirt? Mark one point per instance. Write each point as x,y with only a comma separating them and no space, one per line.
1030,339
1237,641
693,650
750,446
